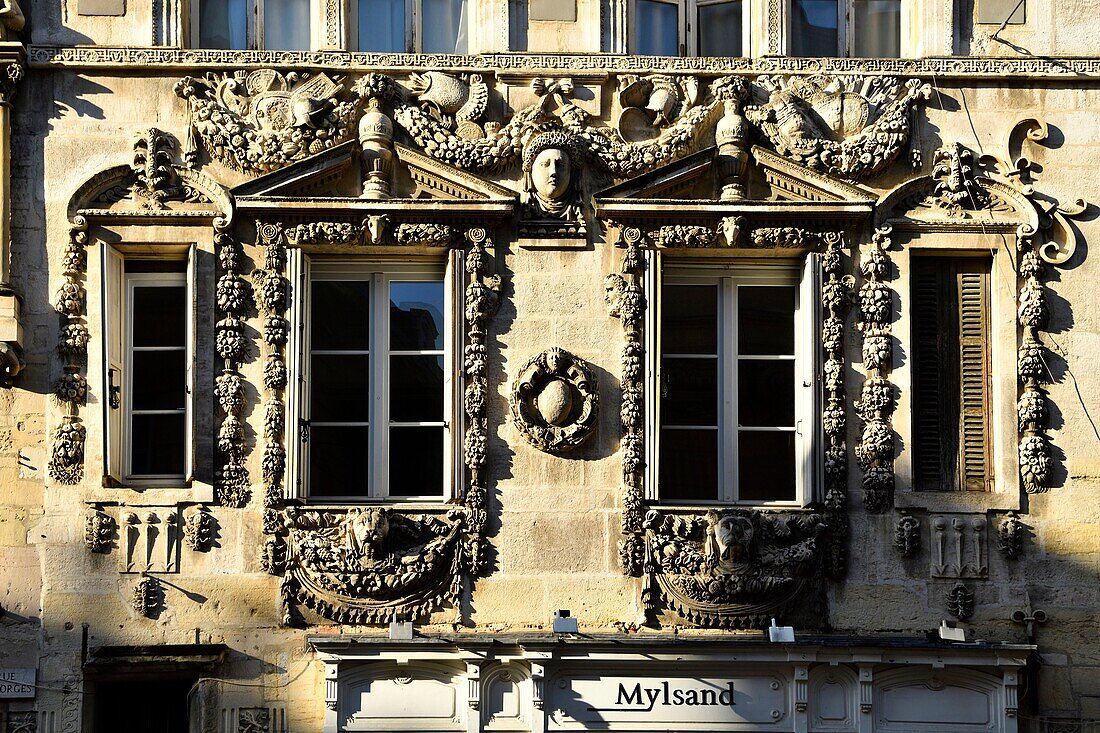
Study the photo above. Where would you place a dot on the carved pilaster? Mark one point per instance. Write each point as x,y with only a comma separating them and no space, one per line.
376,136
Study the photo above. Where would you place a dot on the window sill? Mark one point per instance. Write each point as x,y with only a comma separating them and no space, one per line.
958,501
704,507
405,505
151,495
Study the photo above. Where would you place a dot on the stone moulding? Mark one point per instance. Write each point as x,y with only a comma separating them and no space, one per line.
692,564
200,60
374,565
555,402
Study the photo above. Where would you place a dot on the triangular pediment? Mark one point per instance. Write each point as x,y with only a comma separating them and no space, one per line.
327,172
420,177
789,181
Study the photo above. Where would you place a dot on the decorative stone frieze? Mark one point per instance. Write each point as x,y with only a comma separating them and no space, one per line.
555,403
150,540
847,126
875,450
957,546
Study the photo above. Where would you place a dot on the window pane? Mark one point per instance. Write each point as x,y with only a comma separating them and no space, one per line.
337,465
720,29
444,26
689,319
159,316
416,388
689,465
877,28
286,25
416,316
689,391
159,380
339,388
765,393
766,470
658,29
416,461
340,315
223,24
813,27
157,445
765,320
382,25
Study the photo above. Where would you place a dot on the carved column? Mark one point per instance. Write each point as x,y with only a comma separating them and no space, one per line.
376,136
731,134
11,330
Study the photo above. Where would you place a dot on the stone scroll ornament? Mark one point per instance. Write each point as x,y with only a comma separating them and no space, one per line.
554,401
731,568
374,565
875,449
847,126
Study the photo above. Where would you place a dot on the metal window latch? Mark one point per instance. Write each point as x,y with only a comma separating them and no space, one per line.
303,430
114,391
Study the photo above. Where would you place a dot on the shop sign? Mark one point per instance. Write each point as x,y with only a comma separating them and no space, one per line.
16,683
657,702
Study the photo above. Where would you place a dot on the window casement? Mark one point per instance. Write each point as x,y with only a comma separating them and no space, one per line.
149,328
374,386
281,25
689,27
415,26
736,381
951,374
857,28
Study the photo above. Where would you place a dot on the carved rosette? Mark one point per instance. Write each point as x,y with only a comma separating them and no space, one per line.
836,298
554,401
66,465
875,450
731,568
233,300
626,301
373,565
260,121
847,126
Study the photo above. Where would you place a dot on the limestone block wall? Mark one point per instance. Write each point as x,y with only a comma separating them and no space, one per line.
554,521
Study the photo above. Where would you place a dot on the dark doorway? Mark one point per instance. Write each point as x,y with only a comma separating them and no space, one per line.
149,705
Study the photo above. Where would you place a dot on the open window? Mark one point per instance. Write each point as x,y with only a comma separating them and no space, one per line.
736,382
149,328
374,393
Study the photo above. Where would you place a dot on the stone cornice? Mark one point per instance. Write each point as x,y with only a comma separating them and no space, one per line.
1077,68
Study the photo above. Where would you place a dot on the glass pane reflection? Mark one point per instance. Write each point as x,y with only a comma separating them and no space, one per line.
720,29
658,29
814,28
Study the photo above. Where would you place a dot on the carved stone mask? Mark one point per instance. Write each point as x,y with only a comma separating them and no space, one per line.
550,173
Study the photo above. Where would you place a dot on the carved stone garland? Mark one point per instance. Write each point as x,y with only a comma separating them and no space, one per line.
875,450
374,565
271,291
731,568
836,299
1032,409
233,300
66,465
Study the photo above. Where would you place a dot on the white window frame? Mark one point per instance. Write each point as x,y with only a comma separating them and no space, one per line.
302,273
805,278
687,13
845,28
254,29
414,36
118,286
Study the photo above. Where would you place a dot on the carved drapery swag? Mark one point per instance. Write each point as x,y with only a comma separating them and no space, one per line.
374,564
732,568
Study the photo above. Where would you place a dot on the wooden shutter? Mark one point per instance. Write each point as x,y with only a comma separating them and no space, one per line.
973,300
951,436
297,270
113,328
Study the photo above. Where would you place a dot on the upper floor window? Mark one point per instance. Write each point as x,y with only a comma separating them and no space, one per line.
735,384
861,28
374,393
689,27
386,26
149,326
951,374
282,25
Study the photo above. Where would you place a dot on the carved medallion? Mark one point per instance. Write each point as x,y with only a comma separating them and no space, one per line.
554,401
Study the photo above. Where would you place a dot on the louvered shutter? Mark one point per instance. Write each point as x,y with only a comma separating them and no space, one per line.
973,290
951,436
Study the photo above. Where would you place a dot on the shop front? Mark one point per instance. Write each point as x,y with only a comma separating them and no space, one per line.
542,683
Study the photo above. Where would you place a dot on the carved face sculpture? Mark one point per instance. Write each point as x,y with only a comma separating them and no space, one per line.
550,173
